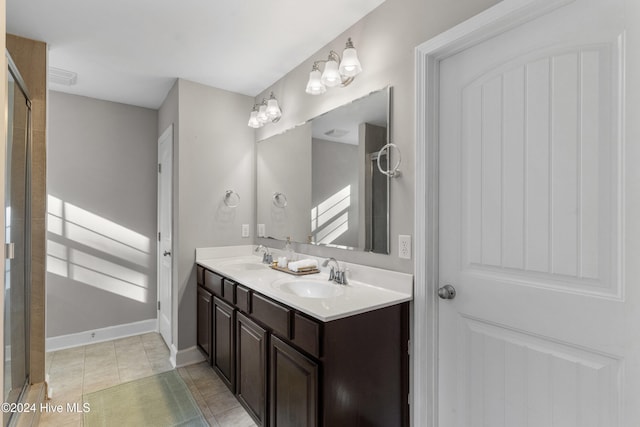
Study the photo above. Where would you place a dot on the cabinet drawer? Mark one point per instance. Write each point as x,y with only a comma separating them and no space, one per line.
243,300
229,291
200,275
213,282
275,316
306,334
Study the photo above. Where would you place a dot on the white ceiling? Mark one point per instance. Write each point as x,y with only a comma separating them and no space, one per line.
131,51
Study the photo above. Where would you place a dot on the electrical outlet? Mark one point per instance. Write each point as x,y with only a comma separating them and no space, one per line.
245,230
404,246
261,230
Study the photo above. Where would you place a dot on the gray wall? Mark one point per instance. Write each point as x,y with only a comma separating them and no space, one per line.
213,152
385,40
289,174
102,214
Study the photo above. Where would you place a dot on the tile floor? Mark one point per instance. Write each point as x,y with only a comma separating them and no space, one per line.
94,367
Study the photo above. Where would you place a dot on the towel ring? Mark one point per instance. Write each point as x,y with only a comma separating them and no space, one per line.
279,200
231,199
391,172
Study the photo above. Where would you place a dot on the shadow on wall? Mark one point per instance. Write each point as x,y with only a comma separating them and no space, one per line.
81,243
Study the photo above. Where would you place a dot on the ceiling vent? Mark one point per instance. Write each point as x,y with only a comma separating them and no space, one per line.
62,77
336,133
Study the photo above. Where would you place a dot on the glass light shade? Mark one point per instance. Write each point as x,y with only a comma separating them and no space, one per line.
350,65
253,120
273,109
262,114
314,85
331,75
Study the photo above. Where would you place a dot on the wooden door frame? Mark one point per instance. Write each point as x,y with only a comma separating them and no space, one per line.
502,17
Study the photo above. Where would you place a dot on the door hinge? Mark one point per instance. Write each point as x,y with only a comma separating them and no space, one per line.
159,167
159,235
158,305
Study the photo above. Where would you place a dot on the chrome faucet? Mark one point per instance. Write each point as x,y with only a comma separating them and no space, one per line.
336,274
266,256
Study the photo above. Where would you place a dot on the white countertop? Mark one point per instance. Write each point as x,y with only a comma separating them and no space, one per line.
368,289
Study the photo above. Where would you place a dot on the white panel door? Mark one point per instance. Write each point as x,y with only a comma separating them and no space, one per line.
165,218
535,224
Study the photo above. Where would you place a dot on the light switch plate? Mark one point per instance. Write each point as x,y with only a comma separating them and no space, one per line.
404,246
245,230
261,230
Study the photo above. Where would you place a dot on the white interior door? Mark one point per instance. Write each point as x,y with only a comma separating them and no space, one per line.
165,248
538,224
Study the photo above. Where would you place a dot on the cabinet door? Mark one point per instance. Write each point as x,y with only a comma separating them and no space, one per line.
204,309
224,341
251,368
294,387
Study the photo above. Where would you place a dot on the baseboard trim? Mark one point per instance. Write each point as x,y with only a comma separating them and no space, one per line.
100,335
188,356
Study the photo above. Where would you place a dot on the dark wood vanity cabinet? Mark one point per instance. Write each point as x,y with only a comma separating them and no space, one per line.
205,310
293,387
365,369
224,342
251,367
290,370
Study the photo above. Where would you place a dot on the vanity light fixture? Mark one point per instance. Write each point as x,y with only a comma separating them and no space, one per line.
334,74
267,111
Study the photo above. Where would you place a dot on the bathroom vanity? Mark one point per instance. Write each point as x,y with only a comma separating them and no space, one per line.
303,351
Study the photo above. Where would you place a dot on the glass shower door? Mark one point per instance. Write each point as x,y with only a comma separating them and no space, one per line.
16,292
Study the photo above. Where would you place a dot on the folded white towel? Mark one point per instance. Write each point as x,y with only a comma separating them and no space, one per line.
303,263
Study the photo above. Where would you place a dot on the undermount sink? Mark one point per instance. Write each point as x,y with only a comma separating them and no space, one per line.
306,288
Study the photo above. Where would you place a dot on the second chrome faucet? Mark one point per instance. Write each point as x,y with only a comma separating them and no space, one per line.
336,274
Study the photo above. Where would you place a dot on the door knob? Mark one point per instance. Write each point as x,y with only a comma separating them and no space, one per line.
167,253
447,292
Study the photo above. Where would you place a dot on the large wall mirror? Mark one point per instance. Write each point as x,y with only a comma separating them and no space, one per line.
319,182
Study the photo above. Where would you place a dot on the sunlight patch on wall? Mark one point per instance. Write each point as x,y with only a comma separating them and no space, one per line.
97,272
57,259
78,227
81,226
329,219
107,283
333,230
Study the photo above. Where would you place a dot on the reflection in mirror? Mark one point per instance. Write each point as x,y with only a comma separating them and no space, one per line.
327,171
